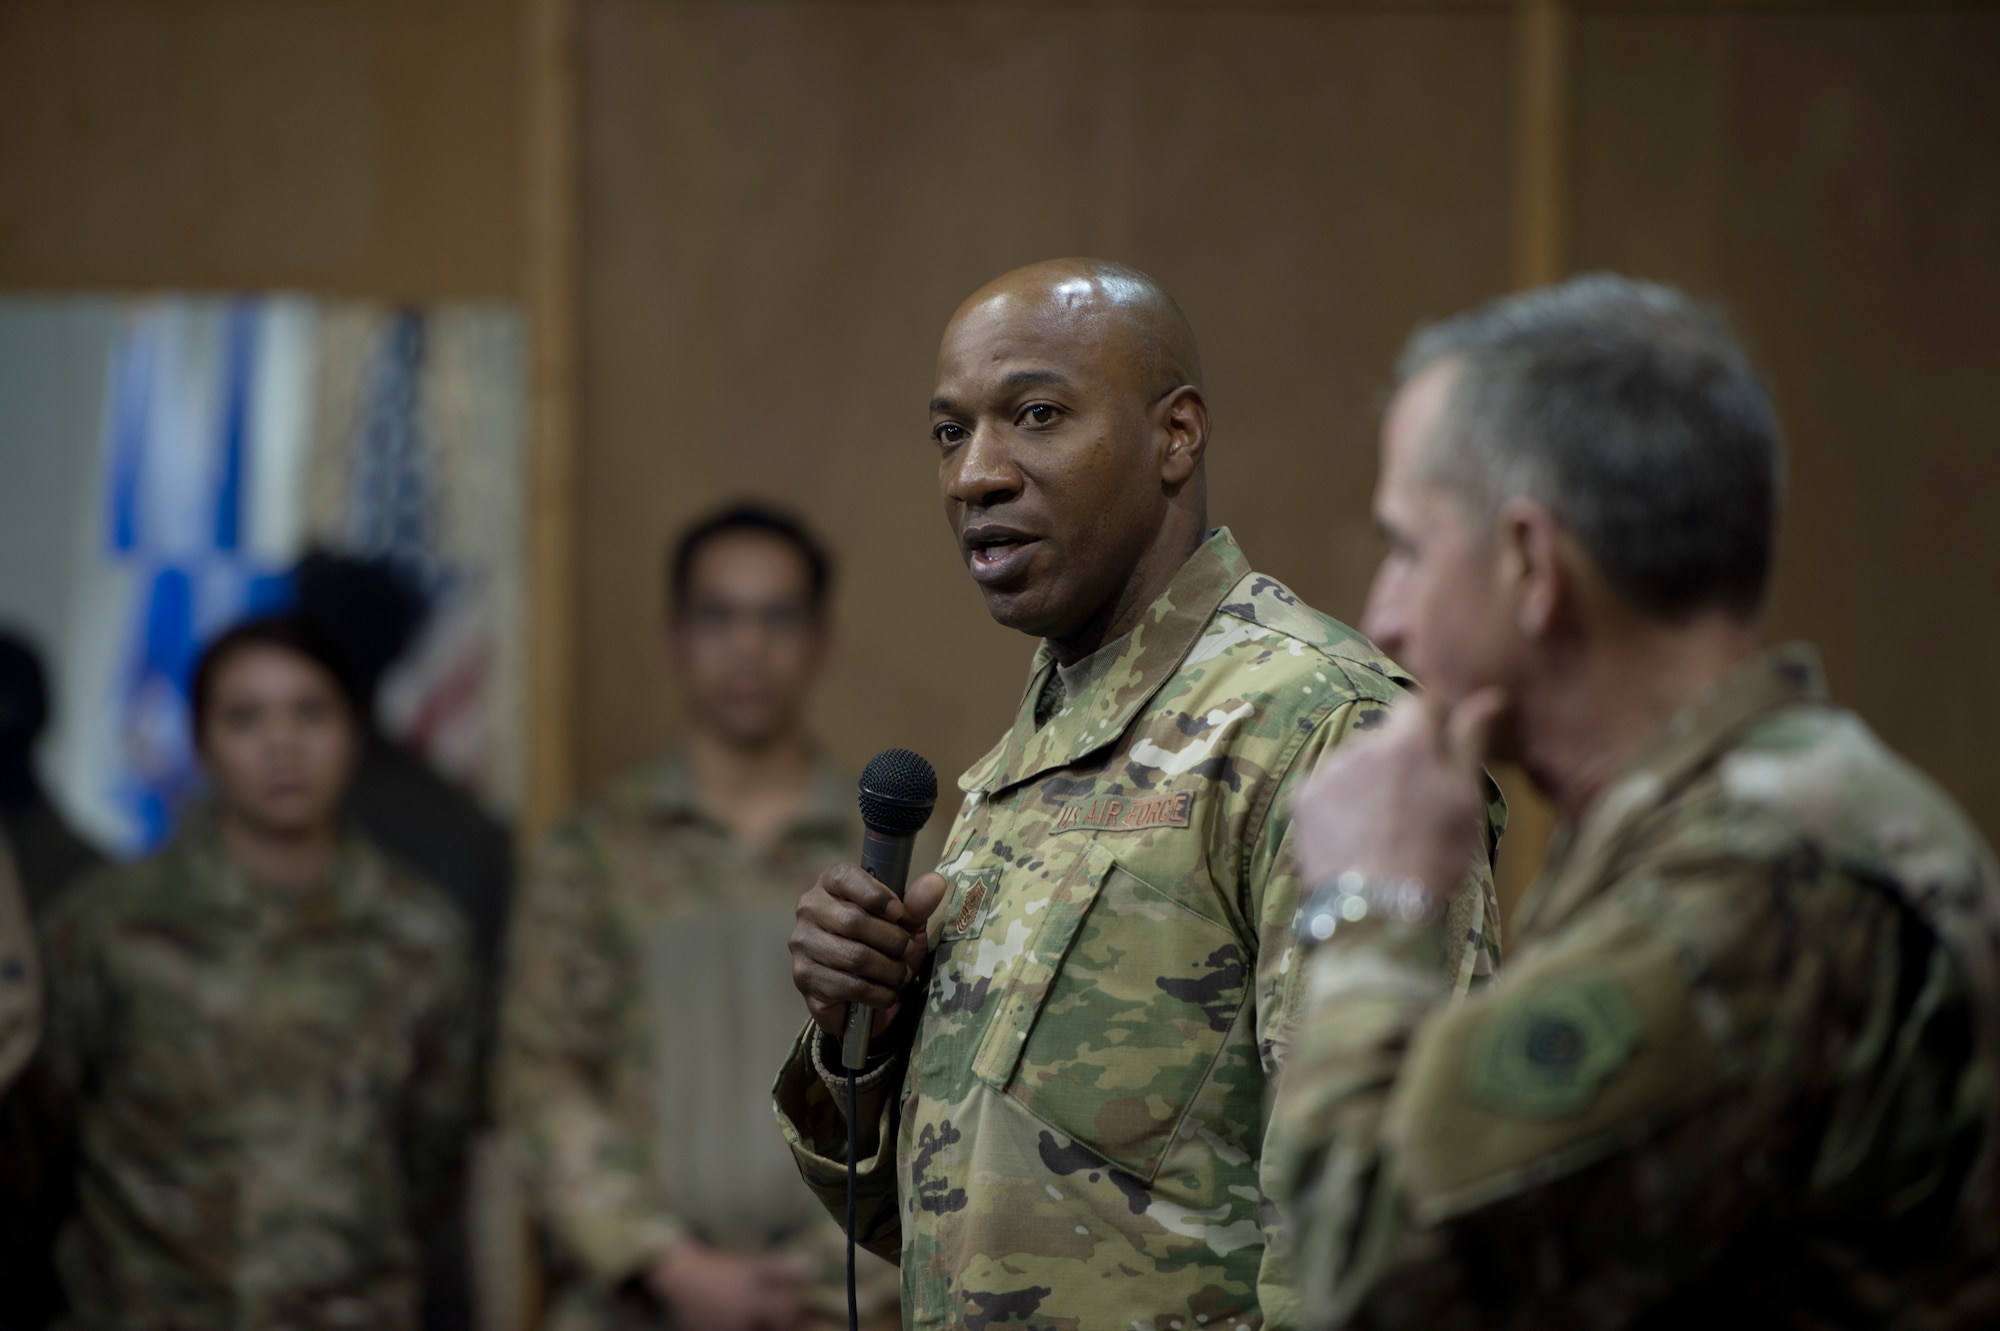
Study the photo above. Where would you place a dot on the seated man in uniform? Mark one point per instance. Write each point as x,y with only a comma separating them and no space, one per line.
1741,1068
262,1033
1066,1126
648,990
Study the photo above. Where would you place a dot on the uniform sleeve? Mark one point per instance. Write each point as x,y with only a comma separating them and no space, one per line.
812,1113
77,1004
444,1093
1449,961
21,1011
1573,1142
568,978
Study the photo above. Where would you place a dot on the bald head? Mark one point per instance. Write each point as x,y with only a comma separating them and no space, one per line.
1071,431
1122,310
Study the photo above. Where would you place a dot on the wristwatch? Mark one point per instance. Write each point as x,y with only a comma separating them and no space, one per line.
1350,897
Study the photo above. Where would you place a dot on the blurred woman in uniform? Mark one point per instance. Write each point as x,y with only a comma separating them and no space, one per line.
263,1033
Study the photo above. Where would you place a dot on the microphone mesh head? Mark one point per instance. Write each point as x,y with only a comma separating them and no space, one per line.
898,789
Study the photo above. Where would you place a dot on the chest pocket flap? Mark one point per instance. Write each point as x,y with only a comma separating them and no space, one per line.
1116,1014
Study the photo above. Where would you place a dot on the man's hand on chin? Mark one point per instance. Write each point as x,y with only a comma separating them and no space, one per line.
1404,803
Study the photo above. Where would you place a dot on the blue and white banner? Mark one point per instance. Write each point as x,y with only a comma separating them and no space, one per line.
182,446
237,433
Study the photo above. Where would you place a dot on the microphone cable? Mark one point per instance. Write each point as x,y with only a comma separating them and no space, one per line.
853,1144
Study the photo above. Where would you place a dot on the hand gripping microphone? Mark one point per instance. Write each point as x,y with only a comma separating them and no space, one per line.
898,790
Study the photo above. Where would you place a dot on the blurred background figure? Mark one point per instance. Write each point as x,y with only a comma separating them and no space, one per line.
649,976
27,1297
263,1033
173,465
47,855
20,980
48,852
368,611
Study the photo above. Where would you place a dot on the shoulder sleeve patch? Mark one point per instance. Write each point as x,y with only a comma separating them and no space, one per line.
1579,1048
1545,1058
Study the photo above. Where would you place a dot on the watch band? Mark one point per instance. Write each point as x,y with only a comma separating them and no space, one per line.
832,1072
1350,897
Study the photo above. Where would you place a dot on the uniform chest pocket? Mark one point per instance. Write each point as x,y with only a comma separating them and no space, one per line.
1116,1015
175,1040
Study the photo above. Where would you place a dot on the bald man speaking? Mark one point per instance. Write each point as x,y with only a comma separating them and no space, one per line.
1081,1010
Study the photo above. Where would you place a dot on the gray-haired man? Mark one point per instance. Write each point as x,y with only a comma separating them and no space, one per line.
1741,1068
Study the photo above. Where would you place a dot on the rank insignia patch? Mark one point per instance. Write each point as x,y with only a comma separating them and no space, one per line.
967,911
1545,1055
1110,813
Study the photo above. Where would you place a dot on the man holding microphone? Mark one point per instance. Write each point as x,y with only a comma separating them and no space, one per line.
1079,1015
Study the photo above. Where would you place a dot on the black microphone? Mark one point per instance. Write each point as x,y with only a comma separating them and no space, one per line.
898,791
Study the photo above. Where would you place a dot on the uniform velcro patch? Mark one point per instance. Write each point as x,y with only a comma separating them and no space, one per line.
1545,1058
1112,814
965,915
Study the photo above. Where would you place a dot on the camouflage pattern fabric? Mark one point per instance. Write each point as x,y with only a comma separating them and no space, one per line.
270,1089
1740,1069
1080,1133
20,977
631,1087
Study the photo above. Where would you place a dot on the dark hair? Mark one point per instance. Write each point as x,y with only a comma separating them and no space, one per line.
367,608
1635,415
24,693
283,632
759,519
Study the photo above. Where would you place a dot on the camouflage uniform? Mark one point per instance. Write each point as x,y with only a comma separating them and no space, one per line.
20,977
648,992
269,1088
1740,1070
1079,1137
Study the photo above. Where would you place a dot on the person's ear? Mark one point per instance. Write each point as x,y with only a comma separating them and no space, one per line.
1183,419
1532,565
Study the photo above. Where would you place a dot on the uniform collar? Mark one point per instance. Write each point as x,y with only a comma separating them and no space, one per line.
354,886
1582,855
666,792
666,789
1115,682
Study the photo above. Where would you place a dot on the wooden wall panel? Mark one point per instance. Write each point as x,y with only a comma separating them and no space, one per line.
1831,179
360,147
783,203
